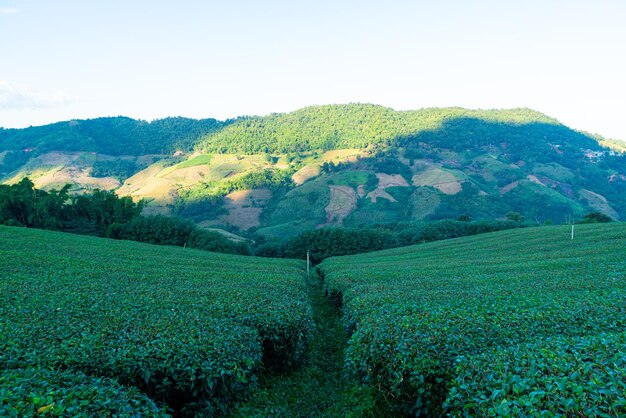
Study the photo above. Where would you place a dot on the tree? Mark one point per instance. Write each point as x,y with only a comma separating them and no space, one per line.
515,216
596,217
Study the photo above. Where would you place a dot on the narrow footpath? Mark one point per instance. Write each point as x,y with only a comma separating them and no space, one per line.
319,387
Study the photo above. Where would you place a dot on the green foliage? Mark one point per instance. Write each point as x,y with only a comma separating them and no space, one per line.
186,327
33,392
114,135
385,162
344,126
105,214
300,209
420,232
328,242
515,217
539,203
513,160
560,376
119,168
415,310
23,204
596,217
103,209
192,162
13,160
164,230
319,388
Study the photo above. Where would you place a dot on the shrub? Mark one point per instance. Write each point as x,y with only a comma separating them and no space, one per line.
34,391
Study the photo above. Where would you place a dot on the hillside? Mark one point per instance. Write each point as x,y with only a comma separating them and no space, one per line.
275,176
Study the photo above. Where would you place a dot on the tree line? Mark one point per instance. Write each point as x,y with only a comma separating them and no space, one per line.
105,214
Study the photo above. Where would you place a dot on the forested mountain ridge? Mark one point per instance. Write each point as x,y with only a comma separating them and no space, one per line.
110,135
332,127
354,165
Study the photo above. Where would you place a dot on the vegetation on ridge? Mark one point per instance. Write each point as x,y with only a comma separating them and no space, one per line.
345,126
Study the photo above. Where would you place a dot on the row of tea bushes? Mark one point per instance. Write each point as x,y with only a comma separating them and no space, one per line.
581,376
415,310
190,329
33,392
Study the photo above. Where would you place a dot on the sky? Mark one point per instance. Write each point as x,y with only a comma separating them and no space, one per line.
62,60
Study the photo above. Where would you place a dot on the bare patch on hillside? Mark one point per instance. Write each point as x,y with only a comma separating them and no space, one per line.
243,218
342,203
404,161
244,207
450,188
508,187
311,171
535,179
188,175
72,175
380,193
306,173
598,202
56,169
148,184
391,180
446,181
162,183
385,181
243,198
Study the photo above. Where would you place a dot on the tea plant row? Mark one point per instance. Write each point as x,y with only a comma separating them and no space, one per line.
429,319
189,329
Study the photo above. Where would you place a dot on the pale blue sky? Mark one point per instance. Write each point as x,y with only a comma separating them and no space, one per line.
150,59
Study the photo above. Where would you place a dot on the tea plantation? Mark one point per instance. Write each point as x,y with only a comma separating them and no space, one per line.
95,327
514,323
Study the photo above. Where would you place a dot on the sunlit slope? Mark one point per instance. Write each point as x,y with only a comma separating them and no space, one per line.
188,328
429,321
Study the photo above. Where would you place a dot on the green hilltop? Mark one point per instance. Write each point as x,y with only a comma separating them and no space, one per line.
334,127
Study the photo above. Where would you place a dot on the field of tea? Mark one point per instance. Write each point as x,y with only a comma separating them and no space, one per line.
514,323
111,328
522,323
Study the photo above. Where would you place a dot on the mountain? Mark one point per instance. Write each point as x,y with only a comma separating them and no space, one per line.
353,165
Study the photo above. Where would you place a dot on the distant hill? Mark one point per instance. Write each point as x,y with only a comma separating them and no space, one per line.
113,135
351,165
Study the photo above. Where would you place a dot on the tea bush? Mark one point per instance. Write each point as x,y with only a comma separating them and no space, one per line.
415,310
189,328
